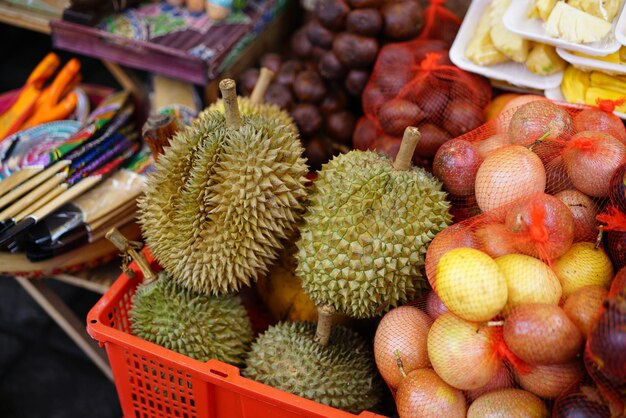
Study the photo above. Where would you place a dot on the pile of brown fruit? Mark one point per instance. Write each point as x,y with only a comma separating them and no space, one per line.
344,37
321,109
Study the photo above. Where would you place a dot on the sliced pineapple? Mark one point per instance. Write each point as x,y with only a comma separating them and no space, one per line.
593,94
510,44
481,49
604,9
574,25
574,85
608,82
543,60
544,8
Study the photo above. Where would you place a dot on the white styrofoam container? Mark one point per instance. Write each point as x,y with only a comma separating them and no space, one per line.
516,20
556,94
590,64
511,72
620,29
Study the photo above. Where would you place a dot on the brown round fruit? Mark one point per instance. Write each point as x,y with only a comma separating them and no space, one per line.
316,153
542,334
309,87
396,115
330,67
403,20
364,135
456,164
432,138
584,211
300,44
307,117
424,394
247,81
598,120
463,353
434,306
340,126
319,35
549,381
508,403
356,81
334,101
332,13
539,120
583,307
366,22
404,331
287,73
433,103
461,117
372,99
278,95
355,51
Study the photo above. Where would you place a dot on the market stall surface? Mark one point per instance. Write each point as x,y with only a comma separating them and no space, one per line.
42,372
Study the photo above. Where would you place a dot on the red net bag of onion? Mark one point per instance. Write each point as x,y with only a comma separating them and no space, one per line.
541,146
415,84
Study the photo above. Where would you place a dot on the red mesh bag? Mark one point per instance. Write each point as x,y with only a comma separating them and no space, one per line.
440,23
582,399
614,227
541,146
415,84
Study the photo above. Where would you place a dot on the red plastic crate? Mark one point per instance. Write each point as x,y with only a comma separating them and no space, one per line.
153,381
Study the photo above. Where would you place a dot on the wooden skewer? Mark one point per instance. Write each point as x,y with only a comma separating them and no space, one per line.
262,83
33,196
39,203
19,176
32,183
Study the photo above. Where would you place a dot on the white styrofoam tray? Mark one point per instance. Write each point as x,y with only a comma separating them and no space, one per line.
620,29
511,72
556,94
590,64
516,20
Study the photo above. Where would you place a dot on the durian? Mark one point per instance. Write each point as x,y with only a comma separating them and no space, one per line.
574,25
341,374
367,229
223,195
196,325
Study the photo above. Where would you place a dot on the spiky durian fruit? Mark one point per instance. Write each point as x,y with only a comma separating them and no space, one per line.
342,374
367,229
221,199
196,325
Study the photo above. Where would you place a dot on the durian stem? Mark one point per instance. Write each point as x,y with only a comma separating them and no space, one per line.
410,139
262,83
231,106
130,248
325,315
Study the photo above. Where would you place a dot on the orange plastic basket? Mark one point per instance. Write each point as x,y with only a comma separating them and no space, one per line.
153,381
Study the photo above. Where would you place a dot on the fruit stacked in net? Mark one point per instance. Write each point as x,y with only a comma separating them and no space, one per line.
414,83
343,37
540,146
504,328
323,111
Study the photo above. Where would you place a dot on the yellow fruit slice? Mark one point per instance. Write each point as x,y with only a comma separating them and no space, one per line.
543,60
528,280
480,48
613,58
583,265
470,284
574,25
574,85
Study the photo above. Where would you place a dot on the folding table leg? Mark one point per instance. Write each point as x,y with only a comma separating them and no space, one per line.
67,320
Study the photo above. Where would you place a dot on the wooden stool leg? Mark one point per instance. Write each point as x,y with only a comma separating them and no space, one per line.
67,320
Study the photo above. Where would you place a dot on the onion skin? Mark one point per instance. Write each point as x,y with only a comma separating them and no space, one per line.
591,158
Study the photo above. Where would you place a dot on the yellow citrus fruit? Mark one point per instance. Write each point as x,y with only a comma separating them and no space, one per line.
470,284
583,265
528,280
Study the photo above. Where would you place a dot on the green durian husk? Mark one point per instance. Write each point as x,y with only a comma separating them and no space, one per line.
342,374
220,201
366,232
196,325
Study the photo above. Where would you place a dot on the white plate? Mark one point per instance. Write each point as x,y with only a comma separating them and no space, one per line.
620,29
590,64
556,94
516,20
512,72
